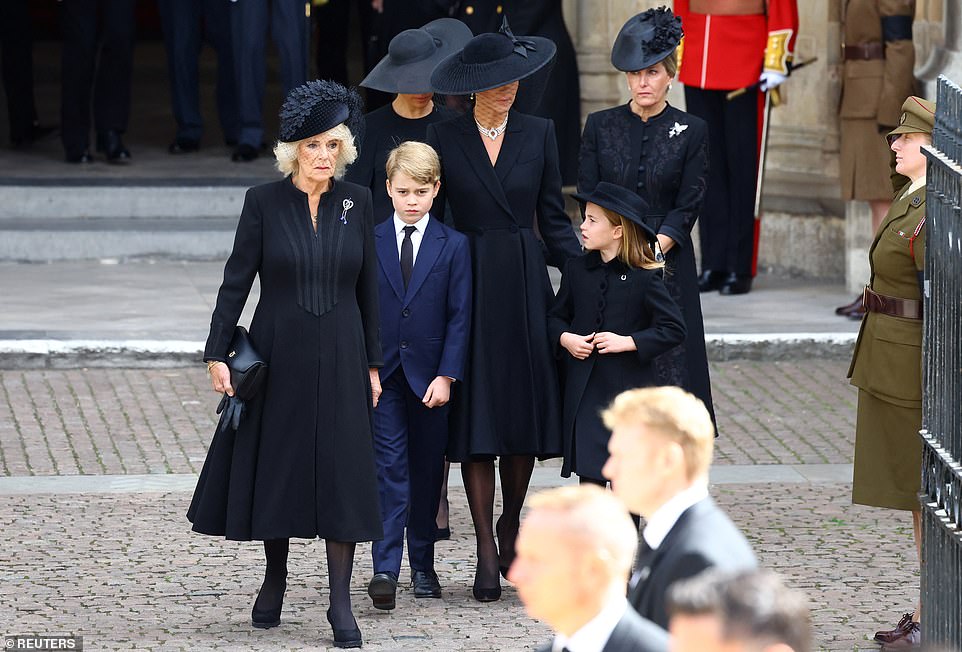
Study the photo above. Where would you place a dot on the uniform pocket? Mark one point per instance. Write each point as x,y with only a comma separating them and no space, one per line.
894,368
861,89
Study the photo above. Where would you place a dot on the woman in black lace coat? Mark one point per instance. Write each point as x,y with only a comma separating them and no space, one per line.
664,158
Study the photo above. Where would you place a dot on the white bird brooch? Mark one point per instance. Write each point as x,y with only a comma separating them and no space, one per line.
676,129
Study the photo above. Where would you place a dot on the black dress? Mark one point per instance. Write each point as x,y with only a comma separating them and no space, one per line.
665,160
510,401
302,462
597,296
384,130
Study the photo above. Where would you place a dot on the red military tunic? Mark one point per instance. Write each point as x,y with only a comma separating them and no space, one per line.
726,48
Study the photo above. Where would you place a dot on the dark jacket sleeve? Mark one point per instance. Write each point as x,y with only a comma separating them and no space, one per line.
458,314
588,157
667,327
367,293
553,223
239,272
561,312
679,221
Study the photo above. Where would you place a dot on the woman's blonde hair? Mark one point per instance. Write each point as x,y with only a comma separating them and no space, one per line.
286,153
671,63
635,251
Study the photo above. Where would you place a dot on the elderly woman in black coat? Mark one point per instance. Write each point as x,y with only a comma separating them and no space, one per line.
660,152
301,463
500,168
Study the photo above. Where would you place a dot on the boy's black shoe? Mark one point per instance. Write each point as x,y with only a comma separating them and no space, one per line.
383,591
426,584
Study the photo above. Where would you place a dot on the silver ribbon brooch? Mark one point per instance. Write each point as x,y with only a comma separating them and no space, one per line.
347,205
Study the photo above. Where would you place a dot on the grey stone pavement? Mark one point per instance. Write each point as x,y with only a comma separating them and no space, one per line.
97,464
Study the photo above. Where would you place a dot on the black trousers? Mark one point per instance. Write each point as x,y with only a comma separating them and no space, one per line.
16,55
187,24
97,61
727,220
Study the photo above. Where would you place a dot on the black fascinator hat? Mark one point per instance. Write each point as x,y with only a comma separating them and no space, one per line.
318,106
619,199
646,39
491,60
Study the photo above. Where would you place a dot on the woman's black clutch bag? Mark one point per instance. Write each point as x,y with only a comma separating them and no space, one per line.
248,370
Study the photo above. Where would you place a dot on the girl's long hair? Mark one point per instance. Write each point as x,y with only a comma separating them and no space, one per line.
635,249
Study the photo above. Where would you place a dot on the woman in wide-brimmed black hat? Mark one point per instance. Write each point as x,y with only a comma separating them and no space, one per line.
500,171
406,72
661,153
301,462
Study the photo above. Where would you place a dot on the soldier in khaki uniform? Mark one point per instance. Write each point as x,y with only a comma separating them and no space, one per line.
887,363
877,76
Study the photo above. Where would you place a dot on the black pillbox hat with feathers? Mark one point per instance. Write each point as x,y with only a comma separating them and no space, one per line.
646,39
318,106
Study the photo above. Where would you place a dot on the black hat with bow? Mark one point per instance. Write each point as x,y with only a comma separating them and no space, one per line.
319,106
646,39
491,60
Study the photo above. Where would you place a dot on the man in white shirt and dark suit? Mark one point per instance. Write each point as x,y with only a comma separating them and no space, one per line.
574,554
660,451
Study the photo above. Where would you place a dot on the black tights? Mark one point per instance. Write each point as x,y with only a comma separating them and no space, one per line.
515,472
340,565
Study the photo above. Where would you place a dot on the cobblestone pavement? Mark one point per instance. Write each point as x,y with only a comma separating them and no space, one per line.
124,570
114,421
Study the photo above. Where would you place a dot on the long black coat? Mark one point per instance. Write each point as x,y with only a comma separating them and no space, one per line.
302,462
596,296
668,167
510,401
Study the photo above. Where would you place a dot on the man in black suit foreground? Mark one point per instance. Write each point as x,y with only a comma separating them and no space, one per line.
741,611
660,450
574,553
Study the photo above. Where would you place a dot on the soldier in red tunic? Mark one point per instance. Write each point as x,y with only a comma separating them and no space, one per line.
729,45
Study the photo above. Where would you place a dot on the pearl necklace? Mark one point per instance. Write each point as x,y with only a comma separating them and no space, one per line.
494,132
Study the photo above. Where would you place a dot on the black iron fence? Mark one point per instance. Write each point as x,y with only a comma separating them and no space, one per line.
941,495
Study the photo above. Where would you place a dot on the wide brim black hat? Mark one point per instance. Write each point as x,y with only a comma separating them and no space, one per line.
413,55
620,200
491,60
319,106
646,39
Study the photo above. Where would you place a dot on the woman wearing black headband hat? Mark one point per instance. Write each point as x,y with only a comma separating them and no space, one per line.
301,463
500,169
661,153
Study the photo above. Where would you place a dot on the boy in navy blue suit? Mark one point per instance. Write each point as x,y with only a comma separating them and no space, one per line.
425,293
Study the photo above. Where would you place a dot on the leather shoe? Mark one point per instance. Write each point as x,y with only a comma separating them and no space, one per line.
736,284
244,153
442,534
183,147
267,610
710,280
383,591
426,584
345,637
911,639
82,157
848,308
113,148
887,636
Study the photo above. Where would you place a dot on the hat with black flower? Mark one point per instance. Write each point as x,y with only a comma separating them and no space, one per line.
319,106
646,39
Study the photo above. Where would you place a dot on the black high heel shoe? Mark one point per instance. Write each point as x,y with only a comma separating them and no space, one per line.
486,595
265,617
345,637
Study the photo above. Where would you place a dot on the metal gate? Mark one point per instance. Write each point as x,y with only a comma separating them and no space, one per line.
941,495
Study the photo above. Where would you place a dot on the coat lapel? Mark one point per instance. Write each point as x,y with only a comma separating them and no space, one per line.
477,157
511,146
388,257
432,242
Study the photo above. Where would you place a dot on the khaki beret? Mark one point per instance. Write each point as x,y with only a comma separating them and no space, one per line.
918,116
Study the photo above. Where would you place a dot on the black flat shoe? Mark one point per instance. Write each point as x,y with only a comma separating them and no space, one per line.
112,147
265,616
426,584
486,595
736,284
383,591
710,280
344,638
442,534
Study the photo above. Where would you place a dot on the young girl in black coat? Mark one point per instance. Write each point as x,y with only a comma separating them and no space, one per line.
611,318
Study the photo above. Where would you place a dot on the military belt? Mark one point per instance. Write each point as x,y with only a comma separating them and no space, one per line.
863,51
892,306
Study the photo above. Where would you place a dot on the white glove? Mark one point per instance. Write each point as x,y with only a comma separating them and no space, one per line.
770,79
